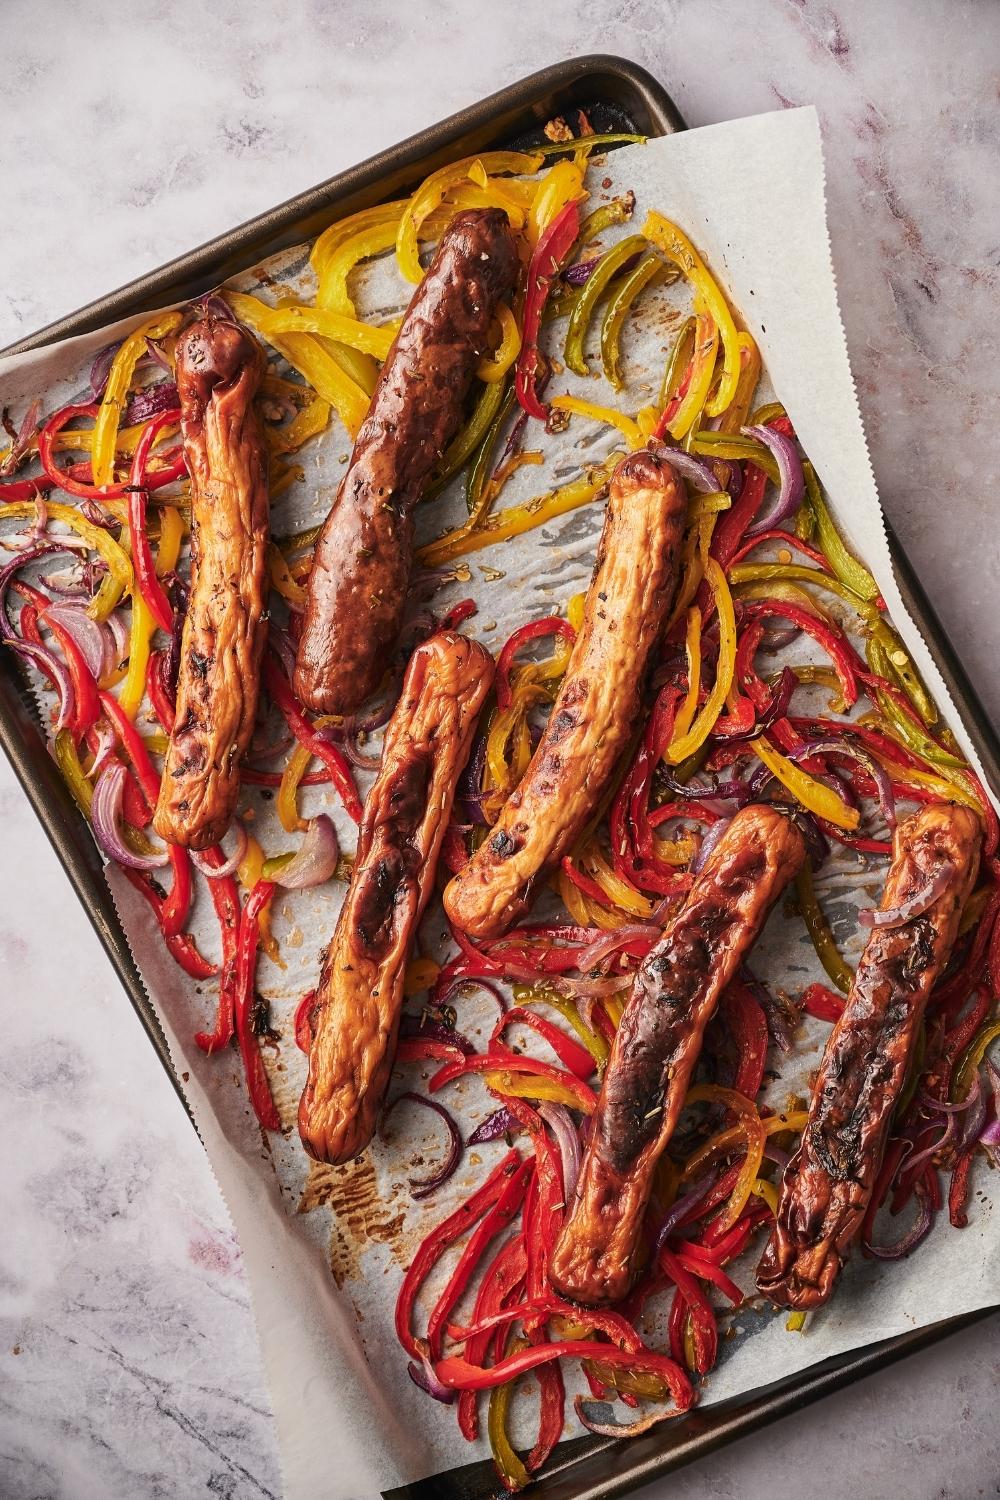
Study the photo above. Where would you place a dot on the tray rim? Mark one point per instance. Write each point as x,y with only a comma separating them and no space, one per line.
629,1464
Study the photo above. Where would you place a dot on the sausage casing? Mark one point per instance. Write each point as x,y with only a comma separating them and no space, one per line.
827,1186
673,997
355,1018
219,369
361,569
598,704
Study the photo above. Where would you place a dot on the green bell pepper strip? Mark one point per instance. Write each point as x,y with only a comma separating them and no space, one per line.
896,665
615,212
511,1470
680,356
846,567
914,738
971,1059
591,293
724,445
68,761
766,572
818,928
622,299
464,445
588,143
479,469
767,413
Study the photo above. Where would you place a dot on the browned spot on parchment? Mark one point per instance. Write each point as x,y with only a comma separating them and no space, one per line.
361,1216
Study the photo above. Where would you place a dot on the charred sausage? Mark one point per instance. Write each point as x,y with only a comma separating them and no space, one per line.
597,707
673,996
827,1186
357,587
219,369
355,1019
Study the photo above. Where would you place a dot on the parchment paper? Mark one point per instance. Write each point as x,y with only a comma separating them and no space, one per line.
324,1248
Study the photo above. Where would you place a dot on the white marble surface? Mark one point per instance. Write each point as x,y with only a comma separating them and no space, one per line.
129,1366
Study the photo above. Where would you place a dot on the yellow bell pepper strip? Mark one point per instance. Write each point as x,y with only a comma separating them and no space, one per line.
795,1322
494,367
307,423
307,355
562,184
819,930
793,1121
814,795
627,426
753,1127
119,379
345,229
595,1044
692,646
119,577
66,758
736,414
679,420
591,293
141,633
846,567
365,337
677,247
285,802
171,537
721,445
281,578
681,747
81,439
432,192
766,1190
332,293
531,1085
513,1475
619,306
420,975
971,1058
518,519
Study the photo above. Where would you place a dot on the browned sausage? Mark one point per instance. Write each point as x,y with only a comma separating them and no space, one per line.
360,573
673,996
598,704
827,1186
356,1015
219,369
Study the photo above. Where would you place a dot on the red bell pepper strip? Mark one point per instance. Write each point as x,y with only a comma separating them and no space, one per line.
554,244
253,777
246,960
226,899
583,883
302,1025
64,479
533,631
178,903
459,1374
692,1259
497,1218
504,1275
744,1018
705,1334
181,945
437,1242
459,613
675,1327
958,1192
23,489
785,539
568,1050
145,568
86,708
420,1048
543,1214
157,691
512,1062
816,1000
551,1414
846,663
336,763
890,1166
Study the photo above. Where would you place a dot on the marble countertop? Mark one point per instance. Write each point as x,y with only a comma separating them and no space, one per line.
129,1363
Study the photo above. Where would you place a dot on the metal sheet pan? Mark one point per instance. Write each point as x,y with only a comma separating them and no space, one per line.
616,94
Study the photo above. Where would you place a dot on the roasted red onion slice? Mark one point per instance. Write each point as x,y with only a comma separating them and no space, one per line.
913,1236
56,668
842,745
149,401
708,843
423,1375
567,1138
681,1209
500,1123
91,639
897,916
425,1027
21,441
106,812
315,860
422,1187
232,864
583,1404
610,942
792,480
695,470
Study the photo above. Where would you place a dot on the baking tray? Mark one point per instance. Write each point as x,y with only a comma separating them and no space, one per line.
617,94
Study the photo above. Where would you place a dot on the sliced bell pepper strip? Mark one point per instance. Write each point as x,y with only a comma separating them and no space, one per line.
816,1000
819,799
226,899
336,763
180,945
680,748
680,416
459,1375
819,930
753,1126
574,1057
437,1242
258,1086
744,1018
609,265
119,379
86,708
554,244
533,631
678,248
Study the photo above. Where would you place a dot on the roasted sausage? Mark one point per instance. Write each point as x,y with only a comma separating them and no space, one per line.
673,996
219,369
355,1019
361,568
827,1186
597,707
